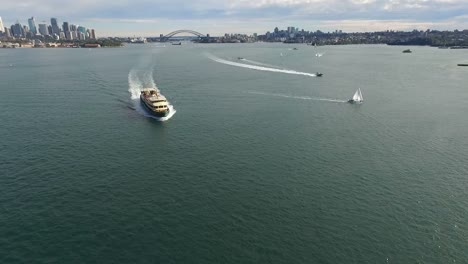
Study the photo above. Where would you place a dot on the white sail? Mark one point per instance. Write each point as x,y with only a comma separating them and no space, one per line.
357,97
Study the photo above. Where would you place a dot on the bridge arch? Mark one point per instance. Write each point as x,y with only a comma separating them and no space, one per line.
173,33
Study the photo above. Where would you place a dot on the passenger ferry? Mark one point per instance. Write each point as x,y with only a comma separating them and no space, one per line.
155,102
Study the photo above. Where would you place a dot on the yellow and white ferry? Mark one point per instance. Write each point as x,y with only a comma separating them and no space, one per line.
155,102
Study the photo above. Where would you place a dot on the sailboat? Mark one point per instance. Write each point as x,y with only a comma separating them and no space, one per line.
357,97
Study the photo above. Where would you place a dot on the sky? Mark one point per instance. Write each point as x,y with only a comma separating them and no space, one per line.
216,17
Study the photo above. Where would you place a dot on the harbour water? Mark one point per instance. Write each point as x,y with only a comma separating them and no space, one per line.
256,166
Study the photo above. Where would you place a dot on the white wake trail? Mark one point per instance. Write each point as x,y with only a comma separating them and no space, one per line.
258,68
148,81
134,84
299,97
261,64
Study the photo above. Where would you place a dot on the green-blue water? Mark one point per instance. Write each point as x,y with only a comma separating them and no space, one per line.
255,166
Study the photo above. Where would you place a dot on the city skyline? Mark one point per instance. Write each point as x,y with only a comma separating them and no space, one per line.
44,31
151,18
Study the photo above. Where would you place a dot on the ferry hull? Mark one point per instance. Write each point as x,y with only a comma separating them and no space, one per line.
153,113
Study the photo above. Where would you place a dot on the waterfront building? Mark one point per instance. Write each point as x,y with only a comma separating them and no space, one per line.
74,35
61,35
43,30
49,30
55,27
73,27
91,34
32,26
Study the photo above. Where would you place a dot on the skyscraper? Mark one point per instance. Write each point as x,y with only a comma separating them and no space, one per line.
81,29
7,33
65,27
17,30
55,27
32,25
81,36
43,29
2,29
68,35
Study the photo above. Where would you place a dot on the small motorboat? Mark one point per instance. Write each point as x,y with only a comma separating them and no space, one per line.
407,51
240,58
318,74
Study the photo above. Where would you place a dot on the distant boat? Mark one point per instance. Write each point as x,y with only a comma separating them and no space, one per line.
462,64
318,74
240,58
177,43
294,48
407,51
357,97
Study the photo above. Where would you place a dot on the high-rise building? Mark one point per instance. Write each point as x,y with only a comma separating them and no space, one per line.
73,27
93,34
81,29
2,29
55,27
32,25
49,30
7,33
65,27
81,36
43,30
68,35
17,30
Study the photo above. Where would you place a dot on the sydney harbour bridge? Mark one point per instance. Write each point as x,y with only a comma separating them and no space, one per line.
167,37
